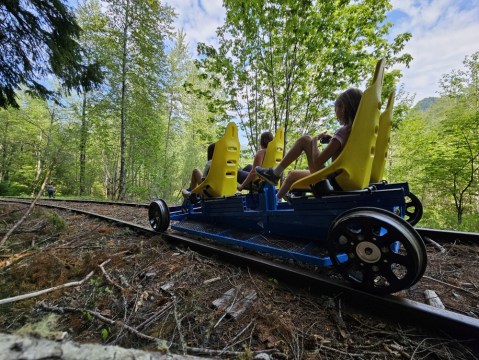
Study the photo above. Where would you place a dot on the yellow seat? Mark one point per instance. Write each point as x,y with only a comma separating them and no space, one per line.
274,154
353,165
382,143
275,150
221,178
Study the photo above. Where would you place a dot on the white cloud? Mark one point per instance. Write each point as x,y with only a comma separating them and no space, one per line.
444,32
199,19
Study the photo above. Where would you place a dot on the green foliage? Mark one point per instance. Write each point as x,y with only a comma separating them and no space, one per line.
39,39
273,281
87,315
426,103
281,63
105,333
437,150
29,142
247,354
12,188
59,223
145,142
277,64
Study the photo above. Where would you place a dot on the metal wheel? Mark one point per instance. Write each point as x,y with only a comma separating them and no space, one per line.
384,253
413,211
159,215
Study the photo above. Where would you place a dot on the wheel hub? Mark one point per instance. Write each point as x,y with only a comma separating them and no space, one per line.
368,252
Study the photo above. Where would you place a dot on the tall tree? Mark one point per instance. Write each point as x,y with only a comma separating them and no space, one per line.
28,143
436,149
93,39
190,124
39,39
460,130
282,62
140,28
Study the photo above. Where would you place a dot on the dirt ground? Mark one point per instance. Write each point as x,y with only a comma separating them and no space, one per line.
138,291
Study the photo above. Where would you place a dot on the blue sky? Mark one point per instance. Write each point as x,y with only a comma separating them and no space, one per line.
444,32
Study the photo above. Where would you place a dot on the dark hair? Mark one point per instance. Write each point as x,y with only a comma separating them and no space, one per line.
349,100
265,138
211,150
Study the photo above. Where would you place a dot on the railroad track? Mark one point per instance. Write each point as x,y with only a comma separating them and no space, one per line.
389,307
440,236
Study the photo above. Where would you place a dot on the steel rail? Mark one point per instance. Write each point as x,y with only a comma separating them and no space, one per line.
388,307
100,202
441,236
446,236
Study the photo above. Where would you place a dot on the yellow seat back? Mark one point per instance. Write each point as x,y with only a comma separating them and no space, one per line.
382,143
221,178
353,165
275,150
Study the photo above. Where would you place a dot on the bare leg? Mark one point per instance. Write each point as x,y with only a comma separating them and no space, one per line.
196,176
292,177
302,144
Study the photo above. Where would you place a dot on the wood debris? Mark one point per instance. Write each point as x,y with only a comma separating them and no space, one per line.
235,301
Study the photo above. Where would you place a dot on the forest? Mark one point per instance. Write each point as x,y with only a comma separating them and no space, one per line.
137,113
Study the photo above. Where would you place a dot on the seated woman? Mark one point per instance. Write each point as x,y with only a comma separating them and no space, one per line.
248,174
197,176
346,107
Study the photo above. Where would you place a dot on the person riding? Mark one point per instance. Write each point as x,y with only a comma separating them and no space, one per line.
247,175
346,107
197,176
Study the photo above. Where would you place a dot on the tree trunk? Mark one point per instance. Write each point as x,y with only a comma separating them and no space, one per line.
167,142
83,137
122,190
4,167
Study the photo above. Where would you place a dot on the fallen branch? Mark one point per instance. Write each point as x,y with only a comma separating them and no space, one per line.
435,244
45,291
211,352
232,342
10,212
99,317
452,286
36,228
379,353
12,259
108,278
29,210
178,325
189,350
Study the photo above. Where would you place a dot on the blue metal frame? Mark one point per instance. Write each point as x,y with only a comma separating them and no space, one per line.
304,220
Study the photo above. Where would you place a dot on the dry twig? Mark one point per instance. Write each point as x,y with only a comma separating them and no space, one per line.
189,350
452,286
438,246
29,210
44,291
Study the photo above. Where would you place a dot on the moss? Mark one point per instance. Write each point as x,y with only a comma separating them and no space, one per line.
46,328
57,222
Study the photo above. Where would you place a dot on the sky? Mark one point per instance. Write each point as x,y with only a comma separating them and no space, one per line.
443,32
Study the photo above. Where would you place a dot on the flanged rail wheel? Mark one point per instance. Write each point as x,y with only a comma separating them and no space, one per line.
385,254
413,209
159,215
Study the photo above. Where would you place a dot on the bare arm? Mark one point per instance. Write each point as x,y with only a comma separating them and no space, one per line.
320,157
